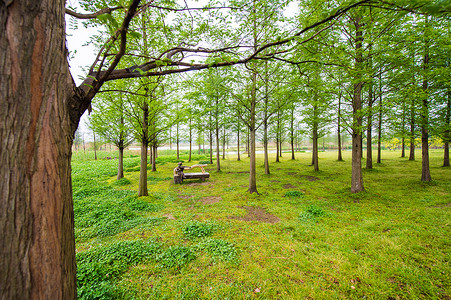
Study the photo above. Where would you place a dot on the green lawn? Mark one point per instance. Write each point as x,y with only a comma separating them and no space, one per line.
305,236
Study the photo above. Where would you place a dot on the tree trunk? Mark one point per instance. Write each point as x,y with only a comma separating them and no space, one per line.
95,146
238,144
154,158
248,144
190,140
425,172
252,127
357,176
292,134
211,147
177,142
223,143
39,115
120,165
142,186
412,130
447,135
369,146
252,165
265,145
281,142
340,157
315,147
218,153
379,126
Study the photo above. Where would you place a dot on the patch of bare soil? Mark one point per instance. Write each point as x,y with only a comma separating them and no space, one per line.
256,214
185,196
275,180
291,173
169,216
243,172
210,200
199,183
289,186
309,178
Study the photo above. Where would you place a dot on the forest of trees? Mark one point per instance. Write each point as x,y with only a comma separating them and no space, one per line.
266,71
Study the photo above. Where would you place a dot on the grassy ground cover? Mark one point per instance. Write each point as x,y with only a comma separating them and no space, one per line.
305,236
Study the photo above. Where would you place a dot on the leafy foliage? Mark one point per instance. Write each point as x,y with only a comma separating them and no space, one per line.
195,229
294,194
312,213
98,266
176,257
219,250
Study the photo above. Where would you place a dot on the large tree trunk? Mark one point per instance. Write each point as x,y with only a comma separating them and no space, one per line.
357,176
120,165
38,117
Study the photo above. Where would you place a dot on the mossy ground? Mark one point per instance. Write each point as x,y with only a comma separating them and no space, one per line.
389,242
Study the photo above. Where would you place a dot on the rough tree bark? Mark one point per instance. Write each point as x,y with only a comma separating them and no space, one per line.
40,108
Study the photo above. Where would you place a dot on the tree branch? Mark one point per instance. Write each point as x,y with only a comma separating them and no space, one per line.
94,15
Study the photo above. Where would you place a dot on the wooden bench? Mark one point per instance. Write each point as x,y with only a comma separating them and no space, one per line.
179,175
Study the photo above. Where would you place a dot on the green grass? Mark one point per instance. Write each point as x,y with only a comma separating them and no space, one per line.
389,242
